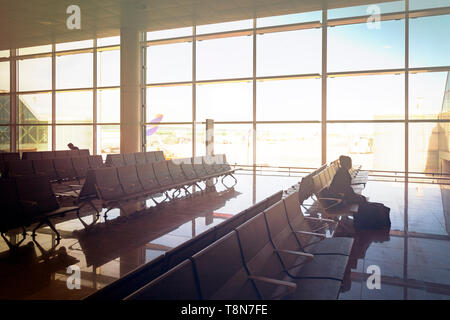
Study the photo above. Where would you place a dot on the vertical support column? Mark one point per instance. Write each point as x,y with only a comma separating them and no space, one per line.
94,102
324,84
13,128
144,92
53,97
209,137
194,90
130,84
254,114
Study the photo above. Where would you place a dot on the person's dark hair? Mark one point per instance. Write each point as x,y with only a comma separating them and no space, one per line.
345,162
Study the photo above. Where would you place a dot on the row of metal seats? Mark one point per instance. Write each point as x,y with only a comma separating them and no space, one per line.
57,169
124,159
27,200
273,255
36,155
119,185
6,157
136,279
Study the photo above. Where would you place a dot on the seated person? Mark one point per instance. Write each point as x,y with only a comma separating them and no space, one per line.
72,147
341,183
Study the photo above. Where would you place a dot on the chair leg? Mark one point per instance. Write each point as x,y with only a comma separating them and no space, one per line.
40,224
49,223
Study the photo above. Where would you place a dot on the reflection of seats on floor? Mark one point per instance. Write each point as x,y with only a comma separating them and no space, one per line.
137,278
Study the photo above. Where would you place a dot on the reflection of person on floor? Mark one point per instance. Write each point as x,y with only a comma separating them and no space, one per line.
342,183
72,147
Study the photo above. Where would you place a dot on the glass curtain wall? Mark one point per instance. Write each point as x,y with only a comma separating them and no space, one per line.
301,89
65,92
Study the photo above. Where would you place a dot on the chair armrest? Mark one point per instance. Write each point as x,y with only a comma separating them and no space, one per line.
290,286
337,202
297,253
320,219
312,234
28,202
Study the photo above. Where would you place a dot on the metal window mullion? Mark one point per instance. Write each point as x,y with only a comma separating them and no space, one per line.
254,93
53,97
406,196
13,71
194,89
144,92
94,100
324,86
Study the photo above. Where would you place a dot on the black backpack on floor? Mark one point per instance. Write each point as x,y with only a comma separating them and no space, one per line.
372,215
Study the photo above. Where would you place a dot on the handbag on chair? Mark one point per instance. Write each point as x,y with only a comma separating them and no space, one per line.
372,215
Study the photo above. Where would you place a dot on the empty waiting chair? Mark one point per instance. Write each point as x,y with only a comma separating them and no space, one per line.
108,186
162,174
262,260
63,153
176,284
314,242
10,156
114,160
219,282
72,153
48,154
31,155
45,167
331,266
188,170
140,157
189,248
150,157
95,162
129,180
19,168
11,214
84,152
177,174
129,159
81,166
64,168
159,156
147,177
40,204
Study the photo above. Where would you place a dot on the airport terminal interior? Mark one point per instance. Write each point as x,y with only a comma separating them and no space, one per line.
205,135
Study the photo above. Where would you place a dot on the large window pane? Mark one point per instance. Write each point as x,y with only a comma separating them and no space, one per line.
174,140
225,101
74,107
35,138
234,140
366,97
362,47
428,144
74,71
35,50
225,58
169,104
108,106
109,41
291,52
4,109
426,94
428,41
289,100
4,76
4,53
427,4
81,136
35,108
170,33
289,19
108,68
366,10
4,139
224,26
169,62
376,146
35,74
296,145
74,45
108,139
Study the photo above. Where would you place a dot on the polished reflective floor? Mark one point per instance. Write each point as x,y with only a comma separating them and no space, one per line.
413,258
